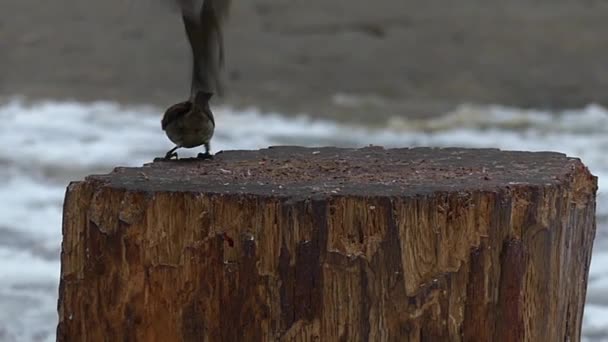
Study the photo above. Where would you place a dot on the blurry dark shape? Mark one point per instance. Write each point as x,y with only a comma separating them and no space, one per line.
203,20
191,123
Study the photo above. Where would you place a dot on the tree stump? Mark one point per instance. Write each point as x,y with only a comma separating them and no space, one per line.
328,244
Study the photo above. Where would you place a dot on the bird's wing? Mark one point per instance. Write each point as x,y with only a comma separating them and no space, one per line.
209,116
203,21
175,112
201,103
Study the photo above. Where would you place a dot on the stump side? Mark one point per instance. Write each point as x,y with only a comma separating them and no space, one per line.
501,261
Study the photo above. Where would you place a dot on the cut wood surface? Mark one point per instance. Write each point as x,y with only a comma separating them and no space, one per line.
328,244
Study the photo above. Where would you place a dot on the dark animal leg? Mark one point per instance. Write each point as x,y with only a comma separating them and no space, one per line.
171,153
207,154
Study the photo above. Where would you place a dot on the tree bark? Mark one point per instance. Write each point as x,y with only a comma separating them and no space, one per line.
327,244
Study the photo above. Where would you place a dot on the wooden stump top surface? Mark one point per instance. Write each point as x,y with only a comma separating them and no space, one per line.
372,171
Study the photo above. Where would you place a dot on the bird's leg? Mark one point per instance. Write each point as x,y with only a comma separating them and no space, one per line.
171,153
205,155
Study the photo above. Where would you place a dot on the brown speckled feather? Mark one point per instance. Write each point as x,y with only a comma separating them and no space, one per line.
175,112
209,115
201,103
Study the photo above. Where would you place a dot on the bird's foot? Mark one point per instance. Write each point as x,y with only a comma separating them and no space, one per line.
170,155
204,156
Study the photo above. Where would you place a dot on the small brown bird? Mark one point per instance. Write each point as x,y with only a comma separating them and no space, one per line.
190,124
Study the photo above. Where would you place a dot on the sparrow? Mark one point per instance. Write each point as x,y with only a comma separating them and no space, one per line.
190,123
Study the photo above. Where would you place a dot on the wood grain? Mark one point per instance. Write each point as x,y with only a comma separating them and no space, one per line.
296,244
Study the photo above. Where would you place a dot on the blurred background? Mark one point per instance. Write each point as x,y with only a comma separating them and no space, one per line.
83,85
